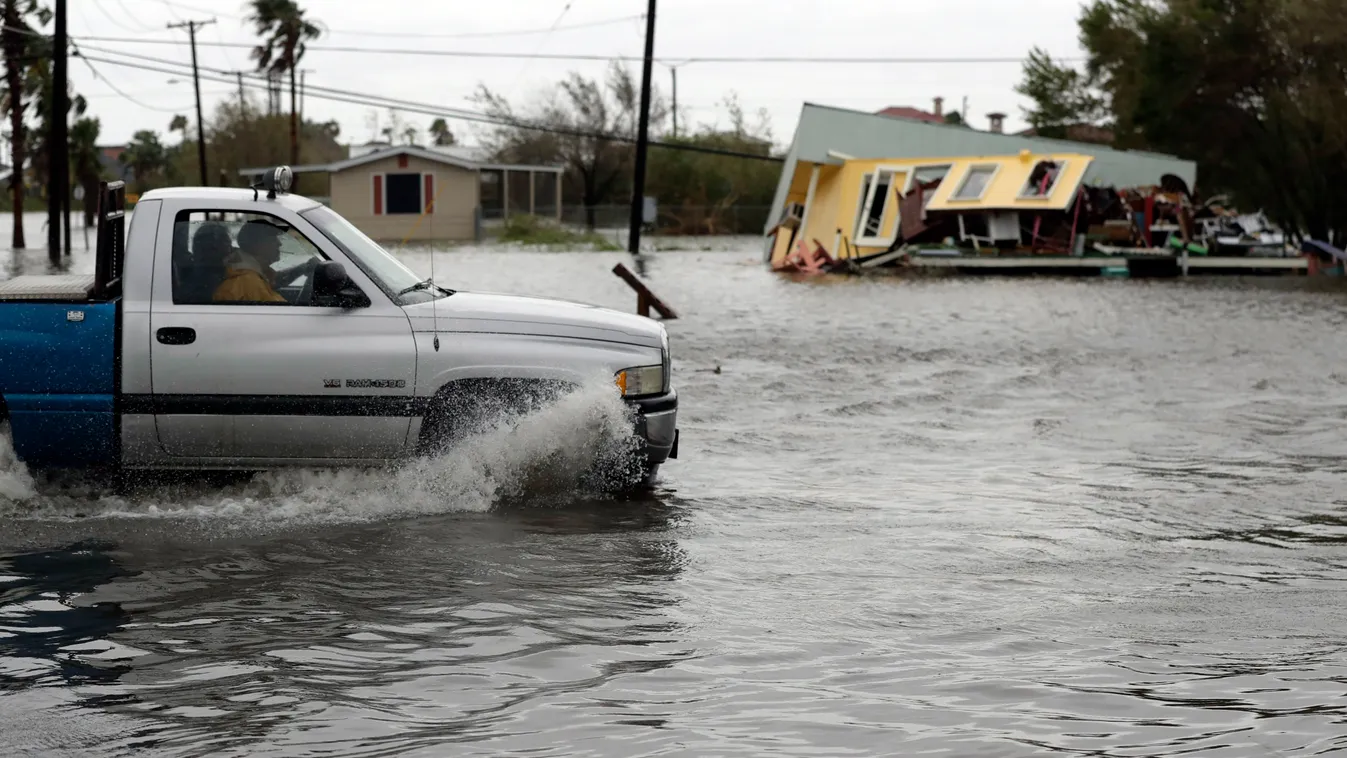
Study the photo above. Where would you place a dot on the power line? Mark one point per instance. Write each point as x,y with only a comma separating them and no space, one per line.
132,16
358,98
109,16
492,34
432,35
523,69
725,59
114,88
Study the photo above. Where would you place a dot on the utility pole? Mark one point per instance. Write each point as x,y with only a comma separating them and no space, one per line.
241,100
58,158
642,137
673,76
191,27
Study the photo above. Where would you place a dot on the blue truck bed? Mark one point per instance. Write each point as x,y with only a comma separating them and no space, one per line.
58,380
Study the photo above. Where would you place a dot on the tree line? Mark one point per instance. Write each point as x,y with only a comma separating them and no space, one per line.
1254,90
695,191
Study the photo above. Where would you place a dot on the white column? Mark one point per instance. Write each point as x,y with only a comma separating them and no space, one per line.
808,201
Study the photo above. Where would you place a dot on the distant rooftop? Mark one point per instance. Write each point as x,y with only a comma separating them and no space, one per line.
467,153
908,112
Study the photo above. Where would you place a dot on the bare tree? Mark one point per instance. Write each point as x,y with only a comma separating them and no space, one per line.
583,116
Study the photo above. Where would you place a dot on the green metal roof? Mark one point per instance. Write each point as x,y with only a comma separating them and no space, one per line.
868,135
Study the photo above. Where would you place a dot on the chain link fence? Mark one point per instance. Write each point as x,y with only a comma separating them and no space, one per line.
676,221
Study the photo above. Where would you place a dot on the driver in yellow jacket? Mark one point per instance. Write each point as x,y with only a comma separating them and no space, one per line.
248,272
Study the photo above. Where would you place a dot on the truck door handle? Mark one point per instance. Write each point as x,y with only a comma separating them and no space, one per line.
176,335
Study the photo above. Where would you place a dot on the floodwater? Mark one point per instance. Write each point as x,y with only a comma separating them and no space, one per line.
1003,517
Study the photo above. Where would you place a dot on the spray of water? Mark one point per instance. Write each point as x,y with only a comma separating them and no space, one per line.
15,482
578,444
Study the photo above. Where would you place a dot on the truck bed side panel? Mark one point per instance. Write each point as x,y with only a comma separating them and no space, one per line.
57,379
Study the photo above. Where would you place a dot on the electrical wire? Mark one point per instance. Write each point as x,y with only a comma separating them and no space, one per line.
132,16
110,17
679,60
500,33
357,98
529,61
429,35
115,89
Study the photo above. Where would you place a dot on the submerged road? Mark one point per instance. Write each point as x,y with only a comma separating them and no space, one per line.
1004,517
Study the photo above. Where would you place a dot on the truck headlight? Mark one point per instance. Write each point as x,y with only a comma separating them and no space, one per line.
641,380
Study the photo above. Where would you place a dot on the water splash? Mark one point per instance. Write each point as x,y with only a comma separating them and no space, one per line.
575,445
15,481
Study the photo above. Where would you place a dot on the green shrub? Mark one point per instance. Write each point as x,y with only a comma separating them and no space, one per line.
532,230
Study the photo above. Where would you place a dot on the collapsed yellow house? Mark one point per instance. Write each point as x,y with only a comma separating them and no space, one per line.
973,185
860,208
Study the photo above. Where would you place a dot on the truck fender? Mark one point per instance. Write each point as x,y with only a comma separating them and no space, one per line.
465,406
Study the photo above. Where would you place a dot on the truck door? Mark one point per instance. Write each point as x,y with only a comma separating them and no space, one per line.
246,366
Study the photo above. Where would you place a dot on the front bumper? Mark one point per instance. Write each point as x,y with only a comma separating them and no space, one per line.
657,425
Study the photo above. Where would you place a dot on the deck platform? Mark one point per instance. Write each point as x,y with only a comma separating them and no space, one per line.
1136,265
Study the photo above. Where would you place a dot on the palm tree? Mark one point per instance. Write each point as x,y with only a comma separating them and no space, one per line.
179,124
38,86
146,157
20,44
84,163
440,134
284,30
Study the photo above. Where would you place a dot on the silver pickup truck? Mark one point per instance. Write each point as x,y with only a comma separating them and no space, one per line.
249,329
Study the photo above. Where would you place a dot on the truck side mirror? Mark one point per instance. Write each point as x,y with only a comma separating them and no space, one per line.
332,285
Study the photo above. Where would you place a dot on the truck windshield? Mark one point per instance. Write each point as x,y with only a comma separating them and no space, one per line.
388,272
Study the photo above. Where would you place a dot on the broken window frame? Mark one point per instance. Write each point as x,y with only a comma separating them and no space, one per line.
912,182
1062,166
867,180
869,184
956,195
918,168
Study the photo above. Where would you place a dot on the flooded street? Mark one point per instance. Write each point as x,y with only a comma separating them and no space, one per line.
1002,517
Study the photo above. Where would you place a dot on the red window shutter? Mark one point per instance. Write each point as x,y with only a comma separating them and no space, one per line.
378,195
402,161
429,197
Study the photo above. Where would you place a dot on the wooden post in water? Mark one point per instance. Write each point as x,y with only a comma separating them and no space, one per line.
645,299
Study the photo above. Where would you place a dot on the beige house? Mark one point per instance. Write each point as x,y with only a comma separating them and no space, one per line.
407,192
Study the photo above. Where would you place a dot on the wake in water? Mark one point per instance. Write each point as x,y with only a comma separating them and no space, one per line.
579,444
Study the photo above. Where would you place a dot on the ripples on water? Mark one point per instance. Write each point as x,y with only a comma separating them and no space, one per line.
976,516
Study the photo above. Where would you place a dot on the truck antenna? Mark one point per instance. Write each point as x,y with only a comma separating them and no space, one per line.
434,304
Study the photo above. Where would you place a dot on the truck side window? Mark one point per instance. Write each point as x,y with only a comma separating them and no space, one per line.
240,258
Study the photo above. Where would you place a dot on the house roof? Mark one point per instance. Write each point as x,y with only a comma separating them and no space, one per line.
907,111
1080,133
823,129
437,155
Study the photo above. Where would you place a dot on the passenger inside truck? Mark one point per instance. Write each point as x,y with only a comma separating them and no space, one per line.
198,268
240,258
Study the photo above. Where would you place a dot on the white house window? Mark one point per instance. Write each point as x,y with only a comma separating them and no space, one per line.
976,182
874,208
402,193
928,174
1043,179
860,206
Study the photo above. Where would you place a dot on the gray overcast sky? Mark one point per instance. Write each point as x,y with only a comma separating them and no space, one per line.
685,29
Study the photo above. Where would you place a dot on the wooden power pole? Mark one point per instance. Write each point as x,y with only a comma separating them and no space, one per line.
58,159
191,27
642,137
